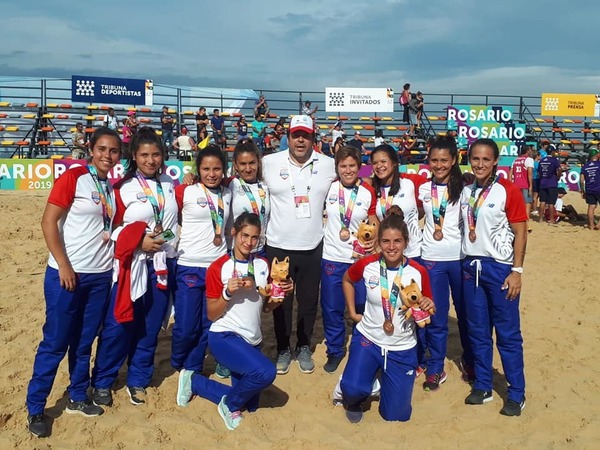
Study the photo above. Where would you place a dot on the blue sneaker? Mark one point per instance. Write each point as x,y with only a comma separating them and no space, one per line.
221,371
184,387
232,419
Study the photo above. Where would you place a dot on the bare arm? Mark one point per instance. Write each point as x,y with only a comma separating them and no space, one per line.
349,295
52,215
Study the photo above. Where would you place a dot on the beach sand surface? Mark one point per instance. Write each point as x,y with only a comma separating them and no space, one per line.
560,311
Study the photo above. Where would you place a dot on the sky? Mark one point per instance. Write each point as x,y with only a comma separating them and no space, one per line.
503,47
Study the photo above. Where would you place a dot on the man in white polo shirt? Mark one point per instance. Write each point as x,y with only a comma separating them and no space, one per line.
298,180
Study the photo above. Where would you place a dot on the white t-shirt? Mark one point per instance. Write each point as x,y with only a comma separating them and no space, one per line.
240,203
242,315
371,325
450,247
196,245
81,229
334,249
559,204
407,200
133,204
504,205
378,141
285,229
335,134
111,122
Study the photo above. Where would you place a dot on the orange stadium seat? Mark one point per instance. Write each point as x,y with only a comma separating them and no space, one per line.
145,110
30,105
369,127
22,143
1,128
47,128
44,142
66,106
145,120
90,130
376,119
3,116
62,116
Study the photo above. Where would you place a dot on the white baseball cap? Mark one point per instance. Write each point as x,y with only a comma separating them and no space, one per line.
302,122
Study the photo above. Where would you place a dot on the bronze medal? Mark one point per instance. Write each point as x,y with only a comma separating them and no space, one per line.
344,234
438,235
388,327
218,240
472,236
158,228
105,236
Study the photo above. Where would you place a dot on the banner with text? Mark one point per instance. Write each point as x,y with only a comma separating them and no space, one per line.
472,122
119,91
343,99
573,105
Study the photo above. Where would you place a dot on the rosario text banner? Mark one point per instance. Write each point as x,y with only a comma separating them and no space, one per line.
115,91
472,122
36,175
571,105
345,99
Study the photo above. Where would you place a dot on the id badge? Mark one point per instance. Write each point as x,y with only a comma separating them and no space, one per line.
302,207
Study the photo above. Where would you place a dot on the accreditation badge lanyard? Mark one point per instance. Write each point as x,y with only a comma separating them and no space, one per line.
105,198
301,201
261,193
216,216
250,272
385,202
158,202
438,210
475,205
389,299
346,212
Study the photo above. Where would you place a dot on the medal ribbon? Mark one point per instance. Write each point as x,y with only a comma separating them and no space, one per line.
438,208
105,199
475,205
261,193
385,202
346,212
250,266
292,180
216,217
388,302
158,202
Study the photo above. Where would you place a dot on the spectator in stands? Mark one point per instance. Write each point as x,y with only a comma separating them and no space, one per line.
308,111
259,130
110,120
590,187
521,175
404,149
550,172
261,107
336,131
339,143
324,144
404,99
415,109
379,139
166,121
242,128
128,130
217,123
201,124
283,142
80,147
357,143
184,145
132,121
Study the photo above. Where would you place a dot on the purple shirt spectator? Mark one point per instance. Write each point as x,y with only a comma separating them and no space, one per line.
548,170
591,174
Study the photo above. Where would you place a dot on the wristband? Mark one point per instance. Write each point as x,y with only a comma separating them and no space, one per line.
226,294
517,269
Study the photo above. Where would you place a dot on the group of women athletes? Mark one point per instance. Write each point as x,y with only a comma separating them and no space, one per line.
212,276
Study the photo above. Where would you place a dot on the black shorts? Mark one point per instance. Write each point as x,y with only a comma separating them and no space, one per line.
592,199
536,185
549,195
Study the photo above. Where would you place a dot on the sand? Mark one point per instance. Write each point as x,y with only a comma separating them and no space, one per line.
560,317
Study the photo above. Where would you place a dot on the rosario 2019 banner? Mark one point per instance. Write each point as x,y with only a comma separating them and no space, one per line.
38,175
343,99
113,91
472,122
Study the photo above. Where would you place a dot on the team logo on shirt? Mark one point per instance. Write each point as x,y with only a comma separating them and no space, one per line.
333,198
142,197
373,282
364,342
96,197
463,205
202,202
401,195
491,205
240,190
284,173
427,198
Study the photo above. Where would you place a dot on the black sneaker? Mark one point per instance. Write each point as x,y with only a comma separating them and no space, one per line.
37,425
85,408
479,397
512,408
137,395
332,363
102,397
